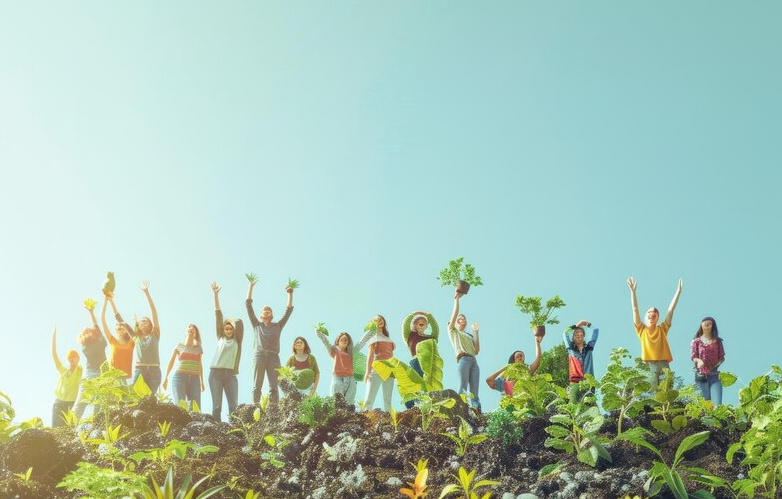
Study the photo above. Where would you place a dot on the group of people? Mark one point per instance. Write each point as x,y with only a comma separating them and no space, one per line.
419,328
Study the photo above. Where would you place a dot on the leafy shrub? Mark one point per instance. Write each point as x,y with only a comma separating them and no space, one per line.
555,362
316,411
504,426
102,483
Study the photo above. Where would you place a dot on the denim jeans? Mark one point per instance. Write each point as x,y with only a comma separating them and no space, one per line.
80,404
186,387
346,386
266,363
58,408
151,375
469,375
372,388
656,368
416,365
711,389
223,381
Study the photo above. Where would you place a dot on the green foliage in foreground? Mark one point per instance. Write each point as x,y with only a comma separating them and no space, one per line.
169,490
316,410
102,483
505,427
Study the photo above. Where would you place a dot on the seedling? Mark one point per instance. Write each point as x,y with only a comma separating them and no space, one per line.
165,427
457,271
321,328
464,438
89,304
251,277
541,316
293,283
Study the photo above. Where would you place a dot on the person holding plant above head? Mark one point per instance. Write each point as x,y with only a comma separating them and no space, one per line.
342,380
381,347
466,345
579,356
301,360
654,337
67,384
146,335
267,343
188,382
497,382
414,331
225,363
707,352
120,346
93,346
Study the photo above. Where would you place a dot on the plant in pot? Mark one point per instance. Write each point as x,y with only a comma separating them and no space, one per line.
459,274
541,315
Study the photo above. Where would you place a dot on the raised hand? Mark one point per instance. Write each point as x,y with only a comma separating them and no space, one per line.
475,327
144,286
289,289
215,287
679,289
633,284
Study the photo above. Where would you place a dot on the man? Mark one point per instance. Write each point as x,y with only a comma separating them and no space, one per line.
579,357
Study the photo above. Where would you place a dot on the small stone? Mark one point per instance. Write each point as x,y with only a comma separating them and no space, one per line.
527,496
565,477
393,481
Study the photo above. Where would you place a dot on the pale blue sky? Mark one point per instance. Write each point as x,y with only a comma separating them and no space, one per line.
358,146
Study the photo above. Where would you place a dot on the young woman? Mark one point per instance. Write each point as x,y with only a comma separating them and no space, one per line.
579,356
707,352
414,331
342,380
466,346
93,346
146,335
188,382
67,384
301,359
654,337
381,347
120,346
225,364
502,385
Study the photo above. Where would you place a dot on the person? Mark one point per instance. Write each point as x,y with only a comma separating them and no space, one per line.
93,346
414,332
267,344
302,359
655,351
497,382
579,357
67,384
707,352
342,380
188,381
225,363
120,346
466,346
381,347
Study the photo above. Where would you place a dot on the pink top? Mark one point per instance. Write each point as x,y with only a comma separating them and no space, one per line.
384,350
343,362
710,354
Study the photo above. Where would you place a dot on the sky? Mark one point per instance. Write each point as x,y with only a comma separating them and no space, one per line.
559,147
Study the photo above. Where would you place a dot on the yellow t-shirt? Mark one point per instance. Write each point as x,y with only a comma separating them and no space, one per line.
68,384
654,345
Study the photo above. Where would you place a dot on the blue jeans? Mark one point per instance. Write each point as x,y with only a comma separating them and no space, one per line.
223,381
79,405
416,365
186,387
58,408
346,386
711,389
469,374
655,372
267,363
151,375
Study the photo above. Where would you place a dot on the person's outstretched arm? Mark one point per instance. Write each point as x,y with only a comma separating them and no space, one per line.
370,358
131,332
534,366
633,285
155,323
288,308
363,341
672,306
455,313
57,363
329,346
249,303
170,366
106,331
490,380
476,340
218,312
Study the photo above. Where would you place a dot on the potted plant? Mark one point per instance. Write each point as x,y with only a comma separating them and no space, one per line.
459,274
541,315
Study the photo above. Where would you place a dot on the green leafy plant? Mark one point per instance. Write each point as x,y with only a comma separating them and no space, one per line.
272,456
554,361
316,410
371,326
173,449
25,477
321,328
9,431
457,271
466,486
394,419
417,489
431,409
251,494
170,491
293,283
70,419
89,304
102,483
108,392
624,387
532,395
533,305
165,427
252,277
550,470
574,430
672,418
504,426
464,437
245,429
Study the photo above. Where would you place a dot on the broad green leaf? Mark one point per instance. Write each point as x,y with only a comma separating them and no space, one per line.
727,379
675,483
679,422
662,426
689,443
431,364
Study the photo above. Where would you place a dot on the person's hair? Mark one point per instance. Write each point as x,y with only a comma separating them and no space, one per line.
137,326
655,310
226,322
197,334
462,316
72,353
714,331
306,345
415,319
350,341
512,359
385,326
88,335
579,328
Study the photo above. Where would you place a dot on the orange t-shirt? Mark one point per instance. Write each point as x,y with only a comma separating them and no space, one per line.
122,355
654,345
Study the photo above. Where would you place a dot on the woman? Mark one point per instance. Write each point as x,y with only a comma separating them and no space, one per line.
93,346
381,347
502,385
146,335
302,359
707,352
120,346
579,357
67,384
414,331
188,382
342,380
466,346
225,364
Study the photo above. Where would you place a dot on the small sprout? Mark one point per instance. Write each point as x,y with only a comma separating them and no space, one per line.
321,328
293,283
251,277
89,304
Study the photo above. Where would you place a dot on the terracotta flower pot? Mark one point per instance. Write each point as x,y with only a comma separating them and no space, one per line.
540,331
462,287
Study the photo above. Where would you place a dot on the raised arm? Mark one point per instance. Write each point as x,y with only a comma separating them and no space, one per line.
363,341
218,312
476,340
452,321
131,332
288,309
566,338
249,303
325,341
289,290
57,363
672,306
155,323
104,324
633,285
490,380
534,366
